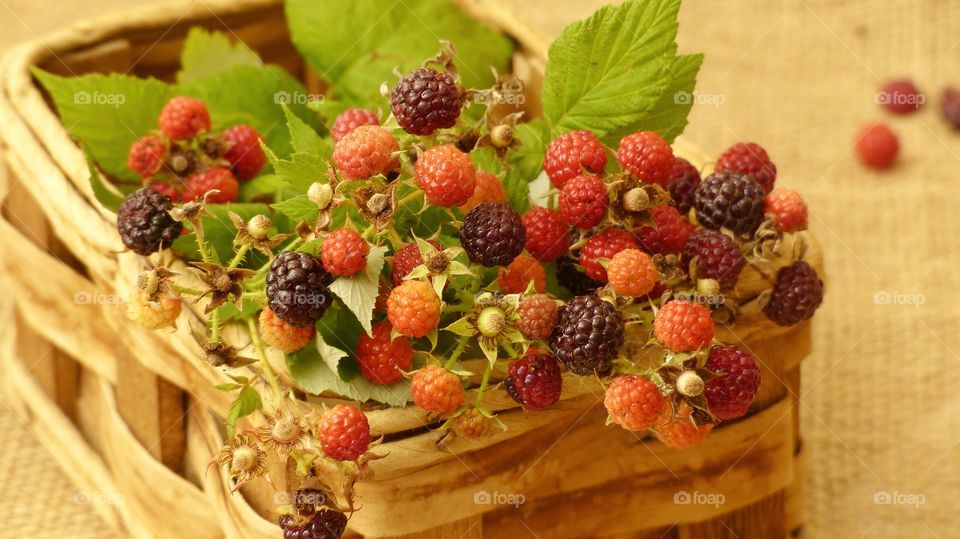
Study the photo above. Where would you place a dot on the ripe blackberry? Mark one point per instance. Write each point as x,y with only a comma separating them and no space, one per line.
729,394
408,258
731,200
667,234
534,381
572,154
900,97
684,179
324,524
492,234
716,257
297,288
647,156
604,244
548,237
750,159
588,334
144,224
351,119
573,279
426,100
796,295
538,313
583,201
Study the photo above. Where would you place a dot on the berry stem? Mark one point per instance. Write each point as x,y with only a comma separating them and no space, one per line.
264,363
185,291
461,345
237,258
204,253
215,326
484,381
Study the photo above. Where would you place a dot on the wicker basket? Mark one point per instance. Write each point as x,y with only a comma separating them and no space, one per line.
141,418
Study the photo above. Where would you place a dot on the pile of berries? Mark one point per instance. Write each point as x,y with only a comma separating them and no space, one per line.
623,260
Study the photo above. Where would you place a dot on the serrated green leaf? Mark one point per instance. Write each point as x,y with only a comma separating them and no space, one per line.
247,402
105,195
608,73
298,208
300,170
309,370
208,53
107,113
263,188
341,328
486,159
303,137
669,115
359,292
526,162
228,311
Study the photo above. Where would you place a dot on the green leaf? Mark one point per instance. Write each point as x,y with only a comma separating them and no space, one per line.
609,72
106,196
526,162
248,401
359,292
208,53
300,170
228,311
313,374
303,137
356,45
340,327
263,188
298,208
669,115
107,113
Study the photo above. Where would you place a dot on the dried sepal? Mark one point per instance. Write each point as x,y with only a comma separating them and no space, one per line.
243,459
222,284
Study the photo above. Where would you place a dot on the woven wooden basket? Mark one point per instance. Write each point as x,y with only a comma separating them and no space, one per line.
134,416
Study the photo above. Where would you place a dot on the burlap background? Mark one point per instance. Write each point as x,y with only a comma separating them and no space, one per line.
880,413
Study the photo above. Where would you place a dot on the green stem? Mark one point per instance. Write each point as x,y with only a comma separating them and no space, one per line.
264,363
408,199
215,326
204,253
456,353
186,291
484,381
238,258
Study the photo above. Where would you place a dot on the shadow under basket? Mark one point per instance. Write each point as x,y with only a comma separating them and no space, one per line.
141,418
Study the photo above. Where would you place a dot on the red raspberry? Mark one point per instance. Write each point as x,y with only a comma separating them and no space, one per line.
344,252
583,201
365,152
534,381
632,273
153,314
684,179
383,360
514,278
572,154
633,402
647,156
668,233
437,390
344,433
788,209
413,308
408,258
678,430
218,178
244,152
472,424
548,236
281,335
900,97
683,326
538,314
146,155
351,119
715,256
183,118
165,188
604,244
488,189
729,395
751,159
446,175
877,146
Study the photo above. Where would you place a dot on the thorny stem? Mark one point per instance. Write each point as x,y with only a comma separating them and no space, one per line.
484,381
237,258
456,353
186,291
215,326
264,363
204,253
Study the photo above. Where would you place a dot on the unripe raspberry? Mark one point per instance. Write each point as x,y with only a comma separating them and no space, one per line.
632,273
413,308
383,360
320,194
153,314
183,118
633,402
514,278
472,424
344,433
344,252
647,156
214,179
349,120
605,244
446,175
281,335
488,189
259,227
572,154
788,209
146,155
437,390
538,314
677,430
366,151
583,201
683,326
548,236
